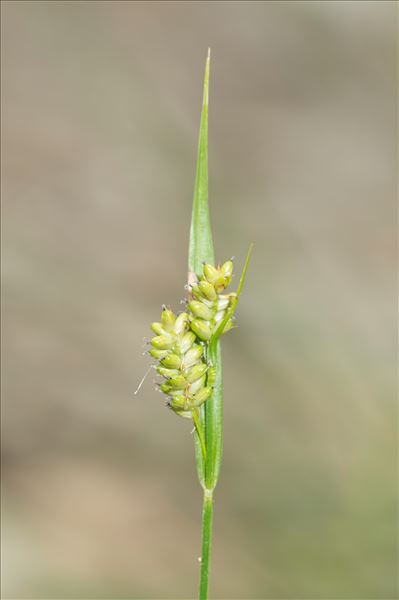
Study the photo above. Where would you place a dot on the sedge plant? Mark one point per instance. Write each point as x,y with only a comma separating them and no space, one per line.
186,346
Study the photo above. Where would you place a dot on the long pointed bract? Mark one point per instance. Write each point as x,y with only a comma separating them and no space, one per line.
209,418
200,251
201,243
210,413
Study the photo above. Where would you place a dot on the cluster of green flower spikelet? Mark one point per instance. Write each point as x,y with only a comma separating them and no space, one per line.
181,341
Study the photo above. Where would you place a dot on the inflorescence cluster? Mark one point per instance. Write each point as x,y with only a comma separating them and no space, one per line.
181,341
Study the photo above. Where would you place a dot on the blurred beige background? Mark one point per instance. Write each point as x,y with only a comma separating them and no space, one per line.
101,104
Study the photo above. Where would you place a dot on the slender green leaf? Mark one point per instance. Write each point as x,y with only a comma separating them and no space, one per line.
201,244
209,418
201,250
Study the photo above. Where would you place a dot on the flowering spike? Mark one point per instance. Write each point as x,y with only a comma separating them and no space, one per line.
180,340
181,362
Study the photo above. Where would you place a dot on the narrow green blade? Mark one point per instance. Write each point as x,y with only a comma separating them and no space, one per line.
201,244
201,250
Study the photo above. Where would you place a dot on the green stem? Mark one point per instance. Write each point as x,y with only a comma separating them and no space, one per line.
206,543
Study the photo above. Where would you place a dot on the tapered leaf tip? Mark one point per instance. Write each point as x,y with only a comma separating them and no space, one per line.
206,79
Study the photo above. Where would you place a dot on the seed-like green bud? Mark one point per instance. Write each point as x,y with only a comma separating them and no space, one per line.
178,402
158,354
180,323
168,319
157,328
162,342
184,413
186,342
174,392
191,357
201,396
208,290
196,292
168,373
202,329
178,382
211,273
165,387
195,372
227,271
171,361
199,309
196,386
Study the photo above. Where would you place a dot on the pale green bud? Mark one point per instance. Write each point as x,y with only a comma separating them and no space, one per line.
158,354
201,396
162,342
186,342
157,328
227,271
196,386
165,387
168,319
186,414
191,357
178,382
196,292
171,361
211,273
168,373
178,402
200,310
195,372
208,290
180,323
174,392
202,329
